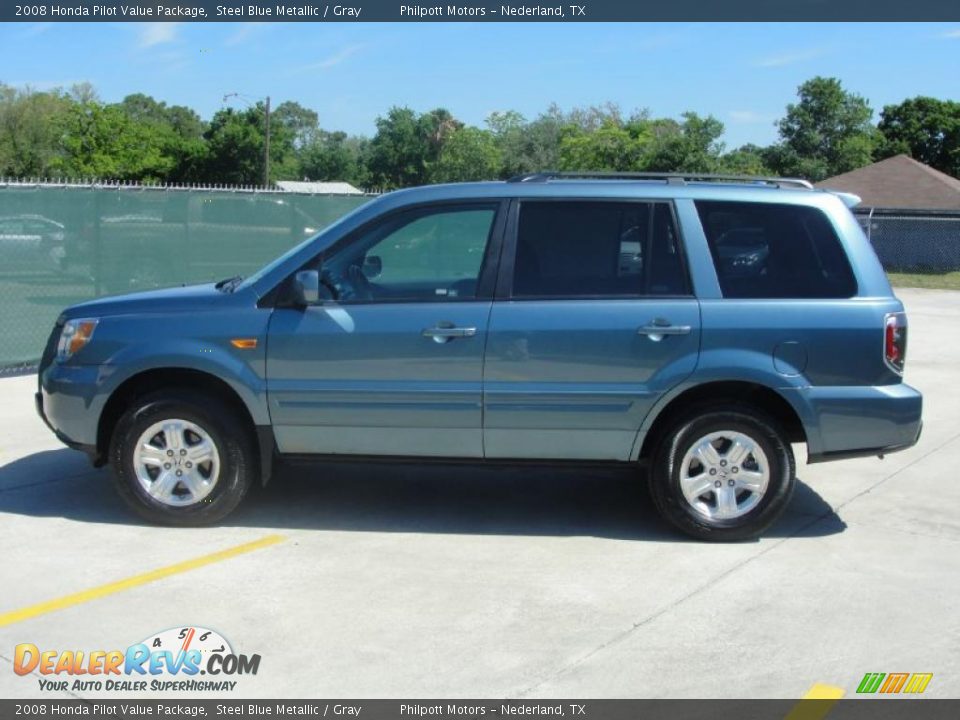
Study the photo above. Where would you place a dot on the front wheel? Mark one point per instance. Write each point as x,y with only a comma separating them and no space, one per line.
723,474
182,460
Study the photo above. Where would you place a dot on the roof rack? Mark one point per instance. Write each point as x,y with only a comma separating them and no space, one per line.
670,178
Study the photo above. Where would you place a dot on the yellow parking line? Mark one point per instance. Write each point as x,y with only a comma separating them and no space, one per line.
131,582
825,695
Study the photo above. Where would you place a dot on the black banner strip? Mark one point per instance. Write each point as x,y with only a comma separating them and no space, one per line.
546,11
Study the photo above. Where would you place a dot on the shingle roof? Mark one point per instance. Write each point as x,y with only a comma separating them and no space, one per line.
899,182
318,188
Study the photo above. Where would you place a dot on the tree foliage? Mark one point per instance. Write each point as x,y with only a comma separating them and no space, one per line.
468,153
826,132
31,125
925,128
73,133
335,156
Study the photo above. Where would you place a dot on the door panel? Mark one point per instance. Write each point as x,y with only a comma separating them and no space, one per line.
593,322
574,379
394,365
364,379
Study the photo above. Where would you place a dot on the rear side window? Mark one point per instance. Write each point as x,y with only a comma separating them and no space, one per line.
762,250
597,249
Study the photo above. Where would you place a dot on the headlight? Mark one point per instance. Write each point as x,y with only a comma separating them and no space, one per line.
74,336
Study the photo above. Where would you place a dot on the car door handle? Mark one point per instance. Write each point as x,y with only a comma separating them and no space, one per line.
444,333
657,329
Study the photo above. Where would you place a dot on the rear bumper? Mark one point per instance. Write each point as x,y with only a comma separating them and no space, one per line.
866,452
861,421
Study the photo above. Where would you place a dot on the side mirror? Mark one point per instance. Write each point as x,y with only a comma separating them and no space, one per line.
372,267
306,287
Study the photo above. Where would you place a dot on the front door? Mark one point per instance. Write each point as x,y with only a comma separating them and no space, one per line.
394,364
592,324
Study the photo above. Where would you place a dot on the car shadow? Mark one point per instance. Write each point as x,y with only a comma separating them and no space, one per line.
403,498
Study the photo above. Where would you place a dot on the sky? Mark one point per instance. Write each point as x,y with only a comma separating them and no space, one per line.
742,73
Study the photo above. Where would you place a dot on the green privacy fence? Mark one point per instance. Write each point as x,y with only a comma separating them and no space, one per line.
60,244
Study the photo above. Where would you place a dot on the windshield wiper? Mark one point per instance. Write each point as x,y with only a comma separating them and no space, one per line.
229,284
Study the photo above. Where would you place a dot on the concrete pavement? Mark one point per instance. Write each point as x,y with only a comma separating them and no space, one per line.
530,582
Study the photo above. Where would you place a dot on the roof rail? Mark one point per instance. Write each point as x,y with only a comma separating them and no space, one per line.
670,178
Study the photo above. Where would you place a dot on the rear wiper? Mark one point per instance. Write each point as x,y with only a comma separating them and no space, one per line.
229,284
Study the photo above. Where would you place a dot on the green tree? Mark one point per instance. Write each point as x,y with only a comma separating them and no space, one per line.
509,129
407,145
610,147
31,126
436,127
926,129
397,151
102,141
826,132
301,123
235,148
335,156
692,145
178,129
745,160
468,153
537,145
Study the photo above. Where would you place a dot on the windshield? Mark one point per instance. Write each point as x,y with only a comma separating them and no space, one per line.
274,264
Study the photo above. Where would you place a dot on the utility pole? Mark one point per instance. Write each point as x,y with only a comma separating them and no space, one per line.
266,147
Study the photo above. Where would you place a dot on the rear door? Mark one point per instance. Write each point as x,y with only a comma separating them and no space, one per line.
393,365
594,320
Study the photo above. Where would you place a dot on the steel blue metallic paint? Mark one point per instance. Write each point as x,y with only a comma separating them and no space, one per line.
545,379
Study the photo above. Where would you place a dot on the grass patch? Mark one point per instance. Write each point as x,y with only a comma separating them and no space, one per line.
936,281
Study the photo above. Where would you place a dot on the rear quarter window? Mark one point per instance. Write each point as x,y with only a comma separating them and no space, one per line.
763,250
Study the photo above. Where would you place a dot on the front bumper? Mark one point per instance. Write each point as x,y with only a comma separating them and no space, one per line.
70,400
89,449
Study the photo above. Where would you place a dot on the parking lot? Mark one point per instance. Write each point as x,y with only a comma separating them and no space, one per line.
410,581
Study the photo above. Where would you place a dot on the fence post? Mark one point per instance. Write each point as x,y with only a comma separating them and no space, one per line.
97,254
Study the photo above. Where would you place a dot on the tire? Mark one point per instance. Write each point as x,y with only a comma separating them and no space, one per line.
190,433
754,488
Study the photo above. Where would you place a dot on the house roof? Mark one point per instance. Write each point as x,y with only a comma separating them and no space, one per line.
318,188
899,182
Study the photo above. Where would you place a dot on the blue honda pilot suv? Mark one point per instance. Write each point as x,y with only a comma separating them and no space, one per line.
692,326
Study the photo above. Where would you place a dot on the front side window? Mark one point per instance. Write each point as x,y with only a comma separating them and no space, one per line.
420,255
763,250
597,249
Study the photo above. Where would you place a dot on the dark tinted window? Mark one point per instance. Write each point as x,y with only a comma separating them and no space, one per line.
571,249
775,251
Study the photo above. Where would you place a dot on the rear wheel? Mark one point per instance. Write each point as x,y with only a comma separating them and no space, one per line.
723,474
182,459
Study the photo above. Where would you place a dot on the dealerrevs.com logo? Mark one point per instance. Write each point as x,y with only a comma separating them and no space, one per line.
179,659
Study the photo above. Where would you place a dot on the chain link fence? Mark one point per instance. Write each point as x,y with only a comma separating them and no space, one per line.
61,244
913,240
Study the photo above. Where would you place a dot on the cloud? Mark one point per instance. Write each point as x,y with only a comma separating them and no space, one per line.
335,59
243,33
950,34
749,117
790,58
35,29
157,33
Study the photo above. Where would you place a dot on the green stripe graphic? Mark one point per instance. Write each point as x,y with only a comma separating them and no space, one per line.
870,683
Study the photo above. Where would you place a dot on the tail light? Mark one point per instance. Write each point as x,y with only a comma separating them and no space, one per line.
895,341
